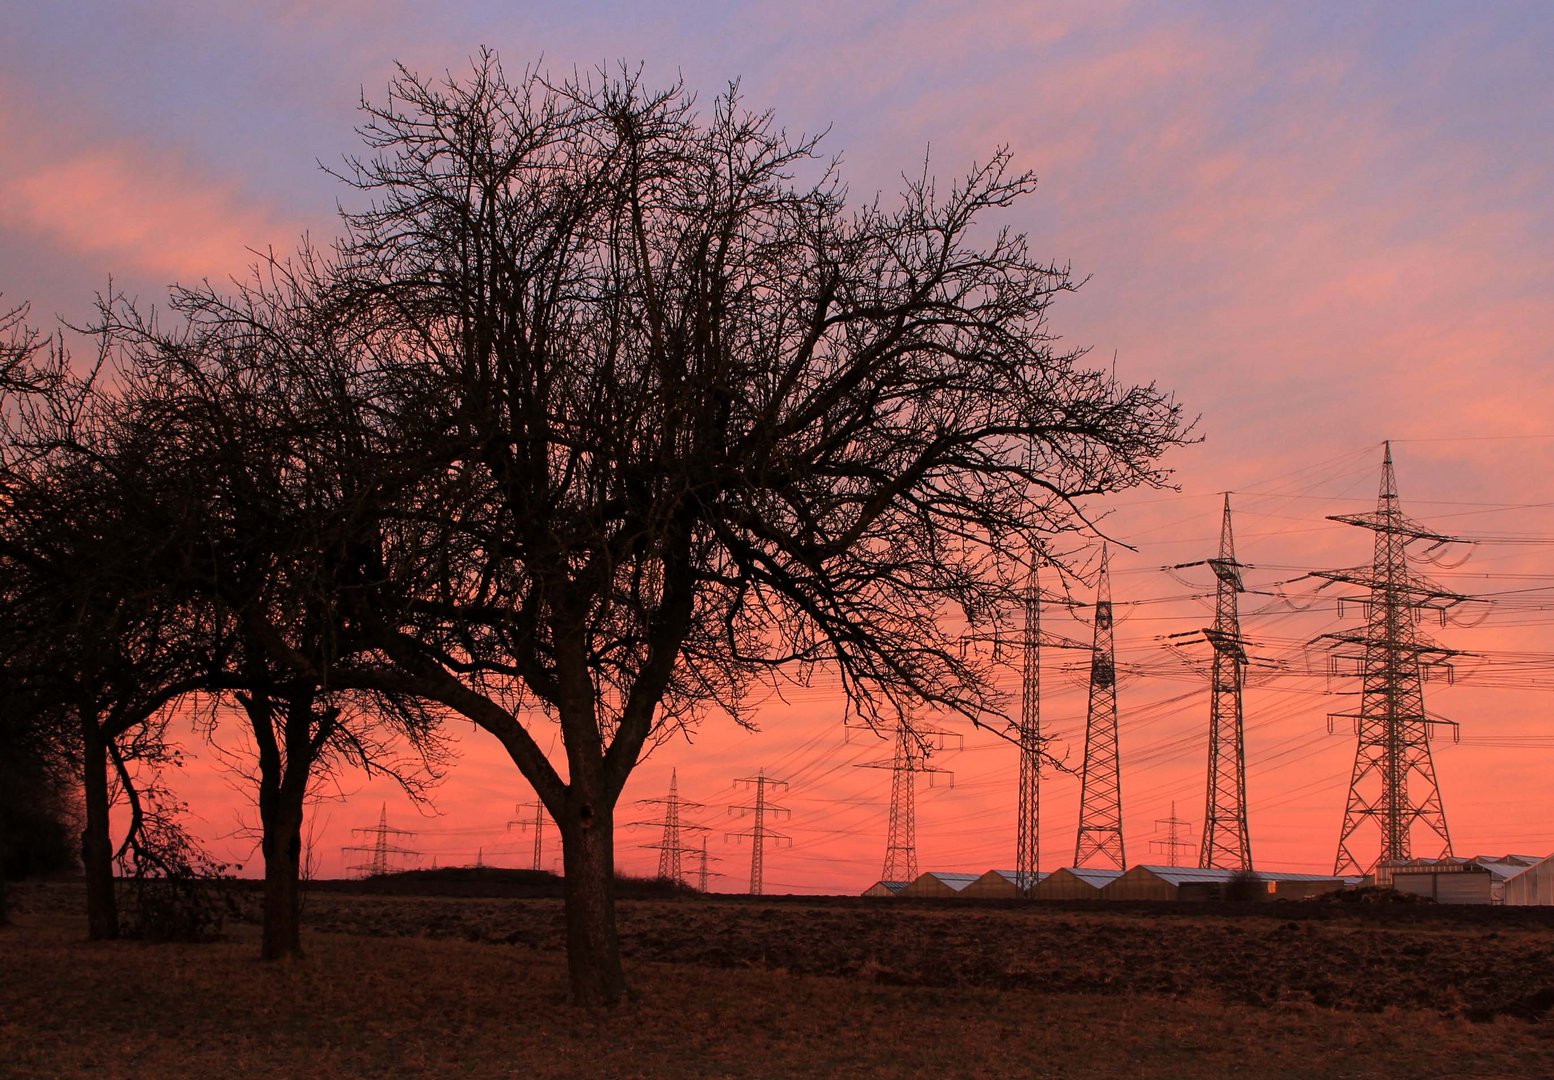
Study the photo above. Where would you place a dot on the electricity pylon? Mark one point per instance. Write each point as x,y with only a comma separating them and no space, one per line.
703,873
760,832
1027,847
538,825
669,847
914,744
1100,789
1027,858
1176,833
1227,842
1393,785
380,849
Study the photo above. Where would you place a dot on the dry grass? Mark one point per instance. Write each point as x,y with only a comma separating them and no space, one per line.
417,1006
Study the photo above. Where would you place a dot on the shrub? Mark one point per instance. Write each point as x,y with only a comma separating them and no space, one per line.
1245,886
171,890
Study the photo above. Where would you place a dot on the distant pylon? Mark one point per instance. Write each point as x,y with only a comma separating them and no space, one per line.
538,825
701,878
1100,788
669,847
1393,785
380,849
1175,840
901,841
1227,842
760,833
703,872
914,744
1027,859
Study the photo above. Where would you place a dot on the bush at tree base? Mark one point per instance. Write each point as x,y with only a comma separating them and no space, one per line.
170,889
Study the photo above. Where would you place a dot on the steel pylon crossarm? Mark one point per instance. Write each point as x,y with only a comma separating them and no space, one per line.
1393,785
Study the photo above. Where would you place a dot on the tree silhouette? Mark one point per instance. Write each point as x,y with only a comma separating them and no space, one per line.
93,651
675,424
252,474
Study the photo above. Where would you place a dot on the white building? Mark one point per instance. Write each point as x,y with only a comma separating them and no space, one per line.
1480,880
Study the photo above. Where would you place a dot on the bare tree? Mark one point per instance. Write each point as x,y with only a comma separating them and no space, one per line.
252,470
88,637
684,426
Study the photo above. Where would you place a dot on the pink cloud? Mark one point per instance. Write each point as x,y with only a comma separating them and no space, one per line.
132,209
105,203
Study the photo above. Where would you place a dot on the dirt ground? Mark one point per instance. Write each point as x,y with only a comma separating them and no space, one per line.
1471,962
474,986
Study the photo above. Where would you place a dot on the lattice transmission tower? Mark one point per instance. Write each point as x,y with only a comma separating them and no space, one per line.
379,851
669,847
760,833
914,746
1027,857
1227,842
703,873
1027,844
1393,786
1176,839
1100,789
537,825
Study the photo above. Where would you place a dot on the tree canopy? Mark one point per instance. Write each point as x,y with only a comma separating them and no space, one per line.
683,422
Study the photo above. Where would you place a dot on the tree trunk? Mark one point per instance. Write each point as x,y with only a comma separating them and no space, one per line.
282,845
593,944
102,913
283,783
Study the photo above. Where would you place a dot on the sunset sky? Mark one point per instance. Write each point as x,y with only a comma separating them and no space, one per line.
1321,228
